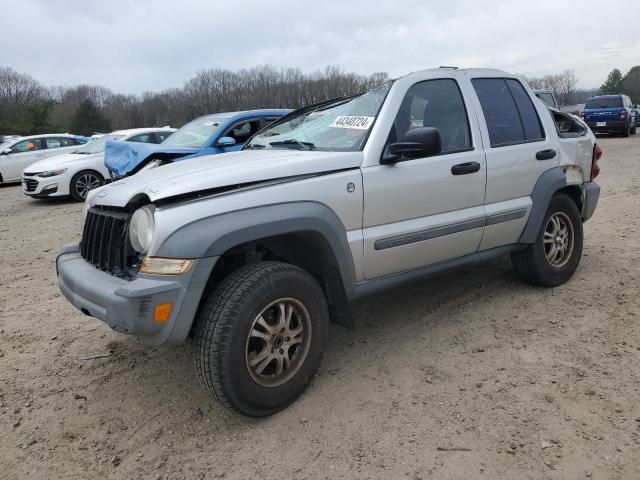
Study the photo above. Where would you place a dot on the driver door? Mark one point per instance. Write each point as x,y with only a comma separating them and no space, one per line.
427,210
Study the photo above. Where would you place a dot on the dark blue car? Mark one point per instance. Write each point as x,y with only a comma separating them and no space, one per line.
208,135
610,114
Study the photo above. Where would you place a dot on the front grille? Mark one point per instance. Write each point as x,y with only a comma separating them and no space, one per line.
30,184
105,242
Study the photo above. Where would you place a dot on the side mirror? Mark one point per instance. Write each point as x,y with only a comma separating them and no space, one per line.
225,142
418,143
6,151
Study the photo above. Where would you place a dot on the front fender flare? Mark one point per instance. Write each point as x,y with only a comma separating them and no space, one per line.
214,235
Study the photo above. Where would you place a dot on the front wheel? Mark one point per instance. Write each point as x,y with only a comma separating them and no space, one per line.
555,255
260,337
84,181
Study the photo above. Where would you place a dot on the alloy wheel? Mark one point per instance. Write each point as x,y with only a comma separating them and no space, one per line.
558,239
278,342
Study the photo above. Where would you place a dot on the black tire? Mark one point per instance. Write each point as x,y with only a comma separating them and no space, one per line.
532,264
229,316
626,131
78,193
634,129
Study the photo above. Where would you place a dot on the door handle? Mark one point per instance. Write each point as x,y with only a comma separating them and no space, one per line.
546,154
465,168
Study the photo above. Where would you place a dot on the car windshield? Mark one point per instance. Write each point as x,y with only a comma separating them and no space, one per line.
604,102
195,133
342,125
97,145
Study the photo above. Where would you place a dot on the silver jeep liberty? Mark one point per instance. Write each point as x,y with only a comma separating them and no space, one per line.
253,253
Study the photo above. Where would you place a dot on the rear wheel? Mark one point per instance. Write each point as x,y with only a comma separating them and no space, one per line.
627,131
634,129
83,182
260,337
556,253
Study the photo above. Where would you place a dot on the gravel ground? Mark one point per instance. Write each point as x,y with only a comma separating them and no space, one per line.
469,375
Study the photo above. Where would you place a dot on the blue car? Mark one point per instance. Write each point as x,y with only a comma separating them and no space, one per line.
208,135
610,114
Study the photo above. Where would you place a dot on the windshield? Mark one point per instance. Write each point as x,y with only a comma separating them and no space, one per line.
97,145
604,102
195,133
342,125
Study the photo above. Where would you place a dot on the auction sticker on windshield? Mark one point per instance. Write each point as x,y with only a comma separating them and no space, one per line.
349,121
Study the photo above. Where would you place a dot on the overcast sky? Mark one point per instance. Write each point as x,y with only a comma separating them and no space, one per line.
133,46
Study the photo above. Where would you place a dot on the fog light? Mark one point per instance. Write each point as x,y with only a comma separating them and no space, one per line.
162,312
165,266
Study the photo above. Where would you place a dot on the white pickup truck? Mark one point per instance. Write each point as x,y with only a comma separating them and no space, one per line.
253,253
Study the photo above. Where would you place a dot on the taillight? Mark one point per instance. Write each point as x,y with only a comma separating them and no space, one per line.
595,168
623,114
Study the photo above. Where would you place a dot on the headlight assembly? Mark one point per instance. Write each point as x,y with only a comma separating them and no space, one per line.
141,228
52,173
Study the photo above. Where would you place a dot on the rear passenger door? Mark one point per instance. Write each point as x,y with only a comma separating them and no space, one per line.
517,153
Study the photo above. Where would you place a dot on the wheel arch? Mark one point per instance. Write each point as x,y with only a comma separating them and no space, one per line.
550,183
306,234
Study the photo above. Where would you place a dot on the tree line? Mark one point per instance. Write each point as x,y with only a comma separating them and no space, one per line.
628,84
28,107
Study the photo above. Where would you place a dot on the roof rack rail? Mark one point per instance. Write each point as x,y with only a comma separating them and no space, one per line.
446,66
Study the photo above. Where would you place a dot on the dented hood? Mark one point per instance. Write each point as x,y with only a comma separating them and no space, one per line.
210,172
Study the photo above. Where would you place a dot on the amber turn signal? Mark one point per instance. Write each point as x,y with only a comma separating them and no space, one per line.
162,312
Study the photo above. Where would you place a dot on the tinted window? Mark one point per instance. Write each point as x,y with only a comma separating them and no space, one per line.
162,136
604,102
528,114
508,110
142,138
500,111
27,145
438,104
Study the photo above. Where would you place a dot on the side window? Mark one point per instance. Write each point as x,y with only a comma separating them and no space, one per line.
58,142
242,131
162,136
53,143
510,115
438,104
142,138
27,146
528,114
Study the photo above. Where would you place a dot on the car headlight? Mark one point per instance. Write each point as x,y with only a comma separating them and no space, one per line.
52,173
141,228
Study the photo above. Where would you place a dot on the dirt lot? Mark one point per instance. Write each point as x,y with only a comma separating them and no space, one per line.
519,382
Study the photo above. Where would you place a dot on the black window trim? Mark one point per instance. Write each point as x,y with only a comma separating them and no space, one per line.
466,112
520,142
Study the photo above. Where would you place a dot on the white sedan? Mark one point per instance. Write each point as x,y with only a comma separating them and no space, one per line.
18,153
74,174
